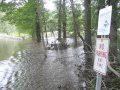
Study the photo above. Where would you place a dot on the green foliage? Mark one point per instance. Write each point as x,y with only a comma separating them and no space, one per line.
5,27
80,17
113,83
94,17
23,17
5,7
51,21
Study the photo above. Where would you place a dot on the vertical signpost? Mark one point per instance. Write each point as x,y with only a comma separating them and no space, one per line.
102,44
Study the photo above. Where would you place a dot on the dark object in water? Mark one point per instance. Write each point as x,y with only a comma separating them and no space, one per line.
55,46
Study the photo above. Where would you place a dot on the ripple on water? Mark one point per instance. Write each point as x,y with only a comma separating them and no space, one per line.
6,70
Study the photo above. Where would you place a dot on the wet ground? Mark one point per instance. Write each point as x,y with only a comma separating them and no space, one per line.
31,70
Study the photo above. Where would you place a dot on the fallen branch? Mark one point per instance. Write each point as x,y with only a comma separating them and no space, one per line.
113,70
84,42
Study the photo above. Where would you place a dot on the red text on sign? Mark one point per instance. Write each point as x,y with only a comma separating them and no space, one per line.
101,54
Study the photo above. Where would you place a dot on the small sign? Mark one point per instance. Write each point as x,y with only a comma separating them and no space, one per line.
101,55
104,21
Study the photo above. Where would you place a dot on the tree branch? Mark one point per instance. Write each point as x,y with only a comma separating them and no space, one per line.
113,70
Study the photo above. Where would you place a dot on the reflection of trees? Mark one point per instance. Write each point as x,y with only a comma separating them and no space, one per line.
8,48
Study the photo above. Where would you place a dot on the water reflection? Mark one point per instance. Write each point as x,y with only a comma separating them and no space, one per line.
10,47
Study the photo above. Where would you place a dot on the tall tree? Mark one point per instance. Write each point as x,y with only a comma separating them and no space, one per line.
74,21
38,21
88,42
87,25
113,32
59,18
64,19
38,27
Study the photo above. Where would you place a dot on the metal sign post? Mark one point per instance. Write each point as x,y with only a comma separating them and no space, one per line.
98,82
102,44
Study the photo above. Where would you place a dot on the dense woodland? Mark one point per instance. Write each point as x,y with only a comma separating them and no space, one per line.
71,18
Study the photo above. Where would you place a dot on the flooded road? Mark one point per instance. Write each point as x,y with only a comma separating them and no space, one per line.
31,70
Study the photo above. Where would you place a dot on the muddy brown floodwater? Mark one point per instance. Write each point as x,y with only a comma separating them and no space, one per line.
31,70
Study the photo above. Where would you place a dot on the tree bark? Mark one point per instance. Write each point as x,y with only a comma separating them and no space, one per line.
38,21
59,19
46,32
113,32
64,19
38,31
87,25
88,42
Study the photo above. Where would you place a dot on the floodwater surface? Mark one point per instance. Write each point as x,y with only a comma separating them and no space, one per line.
32,70
9,47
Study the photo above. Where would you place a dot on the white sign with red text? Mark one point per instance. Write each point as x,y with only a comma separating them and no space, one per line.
101,55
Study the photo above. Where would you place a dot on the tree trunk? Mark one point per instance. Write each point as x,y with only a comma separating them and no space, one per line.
88,42
64,19
74,21
38,21
46,32
45,26
59,19
38,32
113,32
88,25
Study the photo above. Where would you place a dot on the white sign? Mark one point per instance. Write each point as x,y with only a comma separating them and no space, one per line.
101,56
104,21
